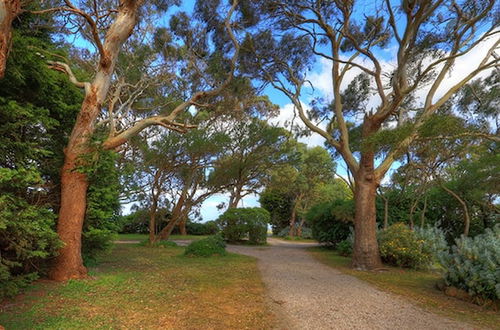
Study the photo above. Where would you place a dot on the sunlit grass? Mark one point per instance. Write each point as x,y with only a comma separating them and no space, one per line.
150,288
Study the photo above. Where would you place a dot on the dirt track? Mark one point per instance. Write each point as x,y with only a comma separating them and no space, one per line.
307,294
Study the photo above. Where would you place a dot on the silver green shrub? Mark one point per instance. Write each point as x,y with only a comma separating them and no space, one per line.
473,264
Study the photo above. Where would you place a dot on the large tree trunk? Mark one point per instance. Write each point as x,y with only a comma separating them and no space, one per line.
366,254
177,215
74,183
235,197
68,264
9,9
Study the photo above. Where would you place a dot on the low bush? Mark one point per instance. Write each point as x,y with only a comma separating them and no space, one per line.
434,239
330,222
240,223
96,242
473,264
400,246
162,244
212,245
344,248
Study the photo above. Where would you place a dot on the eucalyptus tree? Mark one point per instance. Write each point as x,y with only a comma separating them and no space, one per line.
254,150
373,118
206,43
9,10
308,180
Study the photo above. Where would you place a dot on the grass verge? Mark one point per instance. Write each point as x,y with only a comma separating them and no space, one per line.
142,288
417,286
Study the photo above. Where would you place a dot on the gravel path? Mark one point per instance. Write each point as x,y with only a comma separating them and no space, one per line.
306,294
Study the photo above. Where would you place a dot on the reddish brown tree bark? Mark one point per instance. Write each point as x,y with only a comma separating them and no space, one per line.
68,264
9,9
365,251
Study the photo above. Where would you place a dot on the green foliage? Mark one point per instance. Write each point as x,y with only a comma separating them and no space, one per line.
474,264
238,223
434,240
279,205
103,206
204,228
400,246
27,235
207,247
344,248
37,109
330,222
160,244
95,242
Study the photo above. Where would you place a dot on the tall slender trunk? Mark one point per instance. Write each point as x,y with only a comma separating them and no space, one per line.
366,255
301,225
422,215
386,210
68,264
464,208
293,220
155,192
9,9
412,211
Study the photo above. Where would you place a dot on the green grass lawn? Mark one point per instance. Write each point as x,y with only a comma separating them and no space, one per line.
141,237
148,288
418,286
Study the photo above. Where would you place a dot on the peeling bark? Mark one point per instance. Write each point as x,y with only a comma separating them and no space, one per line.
9,9
366,254
69,264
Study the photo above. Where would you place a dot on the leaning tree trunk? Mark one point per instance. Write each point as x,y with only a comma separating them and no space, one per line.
464,208
9,9
366,255
74,183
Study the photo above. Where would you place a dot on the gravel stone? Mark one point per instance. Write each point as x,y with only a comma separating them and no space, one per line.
306,294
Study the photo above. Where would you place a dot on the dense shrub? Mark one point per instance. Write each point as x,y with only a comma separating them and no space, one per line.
330,222
344,248
239,223
400,246
96,242
202,228
279,205
434,240
27,235
212,245
473,264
